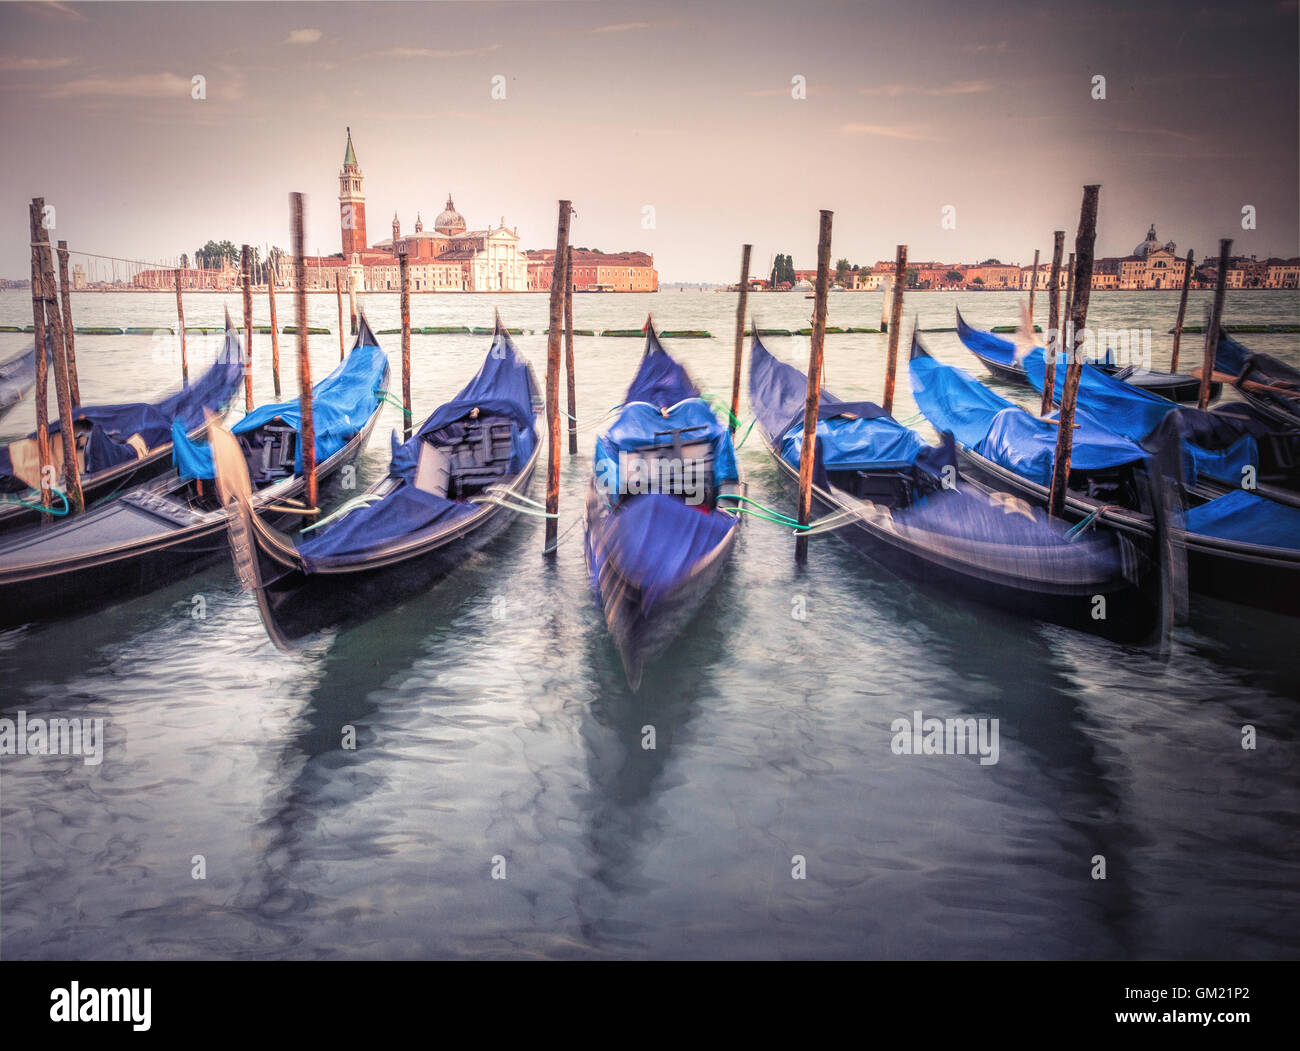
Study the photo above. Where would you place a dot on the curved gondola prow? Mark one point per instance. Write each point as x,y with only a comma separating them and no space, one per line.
365,336
918,350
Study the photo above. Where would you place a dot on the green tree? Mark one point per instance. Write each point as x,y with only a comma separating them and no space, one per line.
912,275
952,277
841,270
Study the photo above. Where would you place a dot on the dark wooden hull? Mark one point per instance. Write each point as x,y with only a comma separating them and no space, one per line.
1261,577
638,637
100,574
295,603
1132,609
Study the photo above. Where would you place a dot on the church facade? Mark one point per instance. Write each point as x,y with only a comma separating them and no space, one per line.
448,258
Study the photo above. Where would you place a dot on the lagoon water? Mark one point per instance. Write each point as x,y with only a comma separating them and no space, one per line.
495,734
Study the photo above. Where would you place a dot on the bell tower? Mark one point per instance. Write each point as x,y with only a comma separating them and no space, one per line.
352,203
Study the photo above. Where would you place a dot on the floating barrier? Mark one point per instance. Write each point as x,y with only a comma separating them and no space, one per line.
770,332
625,333
1246,328
292,330
103,331
1009,328
687,334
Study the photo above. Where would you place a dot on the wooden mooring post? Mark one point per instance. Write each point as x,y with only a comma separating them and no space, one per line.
741,302
69,341
808,449
404,268
553,379
306,429
1189,268
245,265
1054,336
1033,287
338,292
352,303
49,304
275,332
1212,329
1082,279
180,328
570,378
895,323
42,392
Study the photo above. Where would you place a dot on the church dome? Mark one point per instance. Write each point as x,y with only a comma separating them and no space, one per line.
1146,246
450,221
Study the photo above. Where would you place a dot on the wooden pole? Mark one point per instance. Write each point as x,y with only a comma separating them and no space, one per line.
404,268
180,327
1182,312
1212,329
275,337
553,378
1082,274
895,323
306,429
1033,287
885,299
42,395
808,451
245,265
568,350
741,301
69,344
338,292
352,302
54,326
1054,340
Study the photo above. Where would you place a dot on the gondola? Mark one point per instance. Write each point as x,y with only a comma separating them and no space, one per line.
905,505
659,528
18,376
1270,385
172,526
1240,546
117,445
999,356
457,483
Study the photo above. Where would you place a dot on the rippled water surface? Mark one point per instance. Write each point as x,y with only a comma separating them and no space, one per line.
514,736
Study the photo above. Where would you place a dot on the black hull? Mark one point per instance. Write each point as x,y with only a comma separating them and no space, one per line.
1175,387
1132,612
640,638
1262,578
295,604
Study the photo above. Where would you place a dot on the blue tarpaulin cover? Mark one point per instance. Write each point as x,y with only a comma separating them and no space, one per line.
341,404
112,425
1243,516
502,387
662,400
1002,431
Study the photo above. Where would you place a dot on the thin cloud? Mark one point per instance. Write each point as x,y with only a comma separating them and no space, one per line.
142,85
56,9
12,63
303,36
771,93
884,131
960,87
430,52
1167,133
634,27
1000,48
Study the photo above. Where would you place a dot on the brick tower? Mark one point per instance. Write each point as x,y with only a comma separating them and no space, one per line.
352,203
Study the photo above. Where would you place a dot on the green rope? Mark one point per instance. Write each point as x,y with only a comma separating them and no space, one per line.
384,396
41,507
364,500
778,517
1079,528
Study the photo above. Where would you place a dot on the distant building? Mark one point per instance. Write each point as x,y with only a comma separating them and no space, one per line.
596,271
1283,273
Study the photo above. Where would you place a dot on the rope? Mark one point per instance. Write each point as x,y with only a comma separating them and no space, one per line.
385,396
1079,528
364,500
290,509
500,500
14,502
573,525
765,512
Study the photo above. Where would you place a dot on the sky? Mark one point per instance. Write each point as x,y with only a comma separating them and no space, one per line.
673,127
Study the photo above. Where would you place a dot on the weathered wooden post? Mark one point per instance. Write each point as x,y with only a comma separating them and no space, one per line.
553,379
404,269
1054,338
245,265
1212,329
895,323
885,299
69,343
352,302
42,393
275,338
1033,287
307,428
570,379
1182,312
1082,274
741,300
808,449
180,327
338,292
54,326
